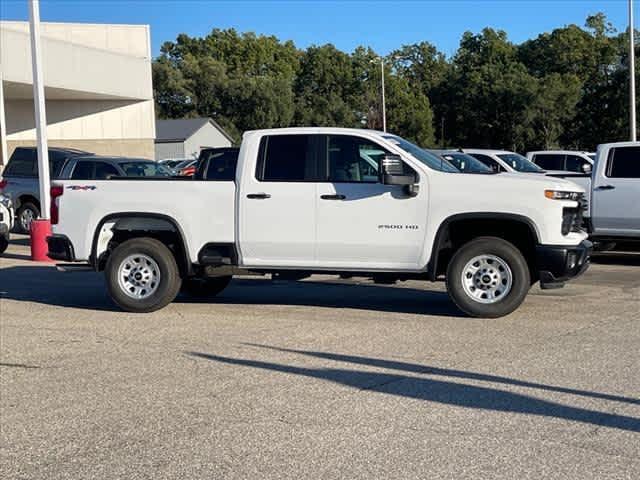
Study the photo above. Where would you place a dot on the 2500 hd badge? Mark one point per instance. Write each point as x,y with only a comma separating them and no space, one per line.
397,227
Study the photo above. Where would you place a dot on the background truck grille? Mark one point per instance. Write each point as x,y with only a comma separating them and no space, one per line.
572,217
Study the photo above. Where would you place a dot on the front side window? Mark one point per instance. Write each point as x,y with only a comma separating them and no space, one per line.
286,158
144,169
550,161
220,166
624,162
520,163
488,161
353,159
104,171
575,164
83,171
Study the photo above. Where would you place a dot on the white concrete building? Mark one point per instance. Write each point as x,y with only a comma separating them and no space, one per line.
98,87
183,138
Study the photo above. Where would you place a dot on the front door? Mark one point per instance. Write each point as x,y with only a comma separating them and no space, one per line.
363,224
616,194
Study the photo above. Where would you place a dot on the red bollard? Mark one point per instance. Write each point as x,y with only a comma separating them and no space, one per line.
40,230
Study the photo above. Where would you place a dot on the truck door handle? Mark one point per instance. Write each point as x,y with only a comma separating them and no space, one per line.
606,187
260,195
333,197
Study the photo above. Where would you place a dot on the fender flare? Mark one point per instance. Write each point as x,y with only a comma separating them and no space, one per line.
443,230
93,260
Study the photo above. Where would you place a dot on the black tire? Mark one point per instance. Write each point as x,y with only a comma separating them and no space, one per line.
169,275
205,287
25,209
4,243
496,247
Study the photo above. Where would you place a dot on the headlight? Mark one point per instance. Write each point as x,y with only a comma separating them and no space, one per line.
6,201
560,195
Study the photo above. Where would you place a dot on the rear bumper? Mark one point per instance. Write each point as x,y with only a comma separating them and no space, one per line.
558,264
60,248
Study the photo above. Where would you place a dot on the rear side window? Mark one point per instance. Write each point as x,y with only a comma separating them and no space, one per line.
624,162
83,171
286,158
549,161
22,163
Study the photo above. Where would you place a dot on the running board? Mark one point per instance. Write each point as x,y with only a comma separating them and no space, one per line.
74,267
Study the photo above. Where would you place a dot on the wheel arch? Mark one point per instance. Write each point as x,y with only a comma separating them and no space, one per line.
134,222
443,237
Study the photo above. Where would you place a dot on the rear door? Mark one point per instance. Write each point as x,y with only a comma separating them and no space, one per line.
363,224
616,193
277,207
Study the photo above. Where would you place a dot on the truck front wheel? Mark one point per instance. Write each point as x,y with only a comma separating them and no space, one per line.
488,277
142,275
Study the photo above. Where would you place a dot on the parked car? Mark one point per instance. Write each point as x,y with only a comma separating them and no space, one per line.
187,169
20,180
563,161
6,221
574,166
463,161
172,164
613,211
104,168
302,202
504,161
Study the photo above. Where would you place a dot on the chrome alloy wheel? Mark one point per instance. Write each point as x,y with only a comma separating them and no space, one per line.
138,276
26,217
487,279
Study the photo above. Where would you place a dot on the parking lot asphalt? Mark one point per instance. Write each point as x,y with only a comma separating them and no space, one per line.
322,378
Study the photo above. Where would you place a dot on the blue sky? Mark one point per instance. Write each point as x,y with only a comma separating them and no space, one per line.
382,25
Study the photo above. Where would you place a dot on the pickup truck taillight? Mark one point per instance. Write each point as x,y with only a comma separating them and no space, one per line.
3,183
56,191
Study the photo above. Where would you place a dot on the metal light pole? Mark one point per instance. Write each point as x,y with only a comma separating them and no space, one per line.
38,102
40,229
384,107
632,74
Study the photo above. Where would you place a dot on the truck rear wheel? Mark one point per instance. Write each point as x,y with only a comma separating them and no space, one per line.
488,277
142,275
205,287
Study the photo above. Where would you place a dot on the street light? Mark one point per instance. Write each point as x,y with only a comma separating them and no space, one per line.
384,107
632,74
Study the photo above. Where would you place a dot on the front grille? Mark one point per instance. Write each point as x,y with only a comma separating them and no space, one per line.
572,217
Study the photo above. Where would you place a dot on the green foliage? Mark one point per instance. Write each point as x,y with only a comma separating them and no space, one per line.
565,88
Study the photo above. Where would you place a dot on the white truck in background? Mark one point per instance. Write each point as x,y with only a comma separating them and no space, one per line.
612,182
305,201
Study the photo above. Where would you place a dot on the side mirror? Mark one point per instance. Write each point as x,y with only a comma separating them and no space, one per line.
392,171
586,168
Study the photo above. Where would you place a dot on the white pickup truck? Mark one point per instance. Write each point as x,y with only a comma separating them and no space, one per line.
612,187
325,200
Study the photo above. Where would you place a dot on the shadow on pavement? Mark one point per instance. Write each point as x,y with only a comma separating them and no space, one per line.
46,285
334,295
617,258
439,391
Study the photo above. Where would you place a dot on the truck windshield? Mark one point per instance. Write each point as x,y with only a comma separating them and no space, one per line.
520,163
429,159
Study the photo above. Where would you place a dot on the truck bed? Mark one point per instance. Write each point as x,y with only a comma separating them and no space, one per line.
213,203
